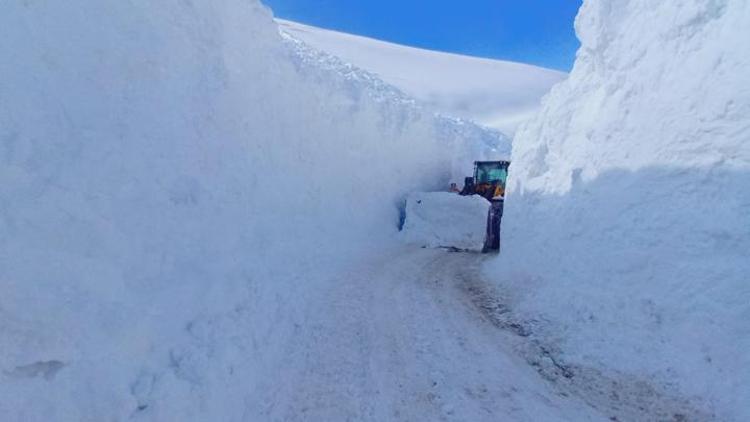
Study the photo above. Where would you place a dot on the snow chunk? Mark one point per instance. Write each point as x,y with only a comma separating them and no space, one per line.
444,219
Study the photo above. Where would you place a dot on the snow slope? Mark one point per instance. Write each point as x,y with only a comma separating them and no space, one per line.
495,93
176,182
627,224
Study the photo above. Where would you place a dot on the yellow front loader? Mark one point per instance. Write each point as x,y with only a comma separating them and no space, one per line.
489,181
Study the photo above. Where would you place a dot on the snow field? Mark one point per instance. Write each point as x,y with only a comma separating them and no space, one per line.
494,93
445,220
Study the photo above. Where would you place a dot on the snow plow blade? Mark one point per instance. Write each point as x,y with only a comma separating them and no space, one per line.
446,220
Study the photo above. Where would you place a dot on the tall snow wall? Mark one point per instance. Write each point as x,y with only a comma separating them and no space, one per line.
627,225
174,178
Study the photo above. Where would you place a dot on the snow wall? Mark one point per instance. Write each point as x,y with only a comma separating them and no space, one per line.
174,180
627,225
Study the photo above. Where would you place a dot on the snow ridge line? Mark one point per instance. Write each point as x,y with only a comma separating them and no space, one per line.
306,57
310,58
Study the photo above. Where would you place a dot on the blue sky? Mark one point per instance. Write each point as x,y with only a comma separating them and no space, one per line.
531,31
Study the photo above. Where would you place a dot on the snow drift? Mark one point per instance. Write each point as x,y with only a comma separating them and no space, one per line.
627,225
174,179
445,220
495,93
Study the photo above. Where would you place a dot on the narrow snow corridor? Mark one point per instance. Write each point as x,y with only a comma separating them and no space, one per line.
199,211
399,339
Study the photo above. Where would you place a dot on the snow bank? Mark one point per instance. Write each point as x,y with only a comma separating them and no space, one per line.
495,93
445,219
627,225
174,181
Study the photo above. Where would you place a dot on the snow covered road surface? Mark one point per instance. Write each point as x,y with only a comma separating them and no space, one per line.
398,339
416,335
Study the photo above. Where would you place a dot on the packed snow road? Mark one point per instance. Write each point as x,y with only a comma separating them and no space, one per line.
399,339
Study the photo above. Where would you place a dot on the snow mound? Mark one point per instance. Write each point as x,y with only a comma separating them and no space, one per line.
495,93
627,223
445,220
175,182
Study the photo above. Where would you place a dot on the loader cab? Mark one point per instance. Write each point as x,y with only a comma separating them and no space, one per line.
490,171
490,178
489,182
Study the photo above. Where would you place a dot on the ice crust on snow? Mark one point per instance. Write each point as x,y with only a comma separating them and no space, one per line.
627,223
445,220
175,181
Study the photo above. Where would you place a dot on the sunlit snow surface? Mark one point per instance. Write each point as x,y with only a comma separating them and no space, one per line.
495,93
446,220
627,222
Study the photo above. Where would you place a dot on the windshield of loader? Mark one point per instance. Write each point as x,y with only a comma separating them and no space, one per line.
491,172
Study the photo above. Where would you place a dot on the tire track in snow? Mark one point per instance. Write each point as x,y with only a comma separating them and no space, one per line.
392,340
622,396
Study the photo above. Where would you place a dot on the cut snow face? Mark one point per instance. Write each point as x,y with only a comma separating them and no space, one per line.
498,94
627,221
176,183
465,141
446,220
